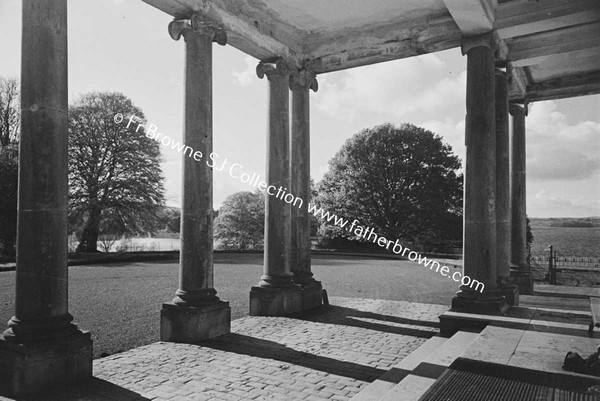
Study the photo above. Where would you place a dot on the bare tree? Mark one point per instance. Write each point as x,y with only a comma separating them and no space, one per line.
10,113
9,129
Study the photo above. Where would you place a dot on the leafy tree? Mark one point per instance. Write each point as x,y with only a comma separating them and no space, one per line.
167,216
402,182
10,111
115,180
241,221
314,222
174,225
9,168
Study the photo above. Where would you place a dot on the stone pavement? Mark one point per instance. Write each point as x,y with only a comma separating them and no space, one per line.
328,354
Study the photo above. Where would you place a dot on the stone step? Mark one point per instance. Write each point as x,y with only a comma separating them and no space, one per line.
422,376
388,380
529,349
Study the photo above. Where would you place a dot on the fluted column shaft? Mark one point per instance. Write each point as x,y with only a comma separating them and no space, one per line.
196,283
480,258
42,277
277,272
518,188
502,180
42,348
196,312
503,206
301,84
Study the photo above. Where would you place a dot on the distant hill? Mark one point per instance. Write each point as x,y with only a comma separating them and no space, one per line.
582,222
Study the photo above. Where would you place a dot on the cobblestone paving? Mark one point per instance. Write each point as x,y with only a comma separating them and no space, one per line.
321,355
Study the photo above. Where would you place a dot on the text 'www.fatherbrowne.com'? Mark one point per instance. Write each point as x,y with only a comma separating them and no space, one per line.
236,171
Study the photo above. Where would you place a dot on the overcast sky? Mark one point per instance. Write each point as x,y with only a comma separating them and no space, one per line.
123,45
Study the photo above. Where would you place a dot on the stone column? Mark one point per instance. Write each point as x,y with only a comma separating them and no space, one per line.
503,214
196,313
479,243
276,293
518,201
312,291
42,347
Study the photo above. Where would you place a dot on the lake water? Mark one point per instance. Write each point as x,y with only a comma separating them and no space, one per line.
566,241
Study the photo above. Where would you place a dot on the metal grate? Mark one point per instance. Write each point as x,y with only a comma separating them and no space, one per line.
469,380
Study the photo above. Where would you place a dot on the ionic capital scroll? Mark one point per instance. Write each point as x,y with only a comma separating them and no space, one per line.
304,78
200,26
471,42
518,110
275,68
501,73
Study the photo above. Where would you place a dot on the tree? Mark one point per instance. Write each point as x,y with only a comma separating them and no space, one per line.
167,217
10,112
9,172
115,180
402,182
174,225
241,221
9,162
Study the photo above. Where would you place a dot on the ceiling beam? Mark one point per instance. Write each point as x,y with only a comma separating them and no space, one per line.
519,17
535,49
374,44
473,17
518,83
570,86
259,34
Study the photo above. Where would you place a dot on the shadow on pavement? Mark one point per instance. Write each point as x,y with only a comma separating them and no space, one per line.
93,389
353,317
259,348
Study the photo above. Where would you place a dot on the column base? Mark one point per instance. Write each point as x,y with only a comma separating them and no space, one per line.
450,325
28,369
275,301
312,295
511,293
487,305
193,324
524,280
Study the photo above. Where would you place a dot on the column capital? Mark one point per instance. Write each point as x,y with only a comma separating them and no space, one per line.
201,26
470,42
500,50
518,110
501,73
277,67
304,78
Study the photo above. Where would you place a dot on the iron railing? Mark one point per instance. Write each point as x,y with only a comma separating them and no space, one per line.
580,269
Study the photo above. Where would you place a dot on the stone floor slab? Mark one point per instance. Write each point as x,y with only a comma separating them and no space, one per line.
323,354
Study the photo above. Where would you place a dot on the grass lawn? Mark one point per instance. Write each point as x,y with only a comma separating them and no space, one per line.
120,303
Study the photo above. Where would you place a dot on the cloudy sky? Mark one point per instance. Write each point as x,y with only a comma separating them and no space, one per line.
123,45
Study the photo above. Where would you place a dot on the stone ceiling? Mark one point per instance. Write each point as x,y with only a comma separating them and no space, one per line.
551,46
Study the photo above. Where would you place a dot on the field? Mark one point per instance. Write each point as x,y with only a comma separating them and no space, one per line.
566,240
582,242
120,302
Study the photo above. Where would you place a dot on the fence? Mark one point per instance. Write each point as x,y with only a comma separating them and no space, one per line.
556,268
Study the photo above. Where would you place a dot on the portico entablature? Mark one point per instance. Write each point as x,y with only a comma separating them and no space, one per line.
551,47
